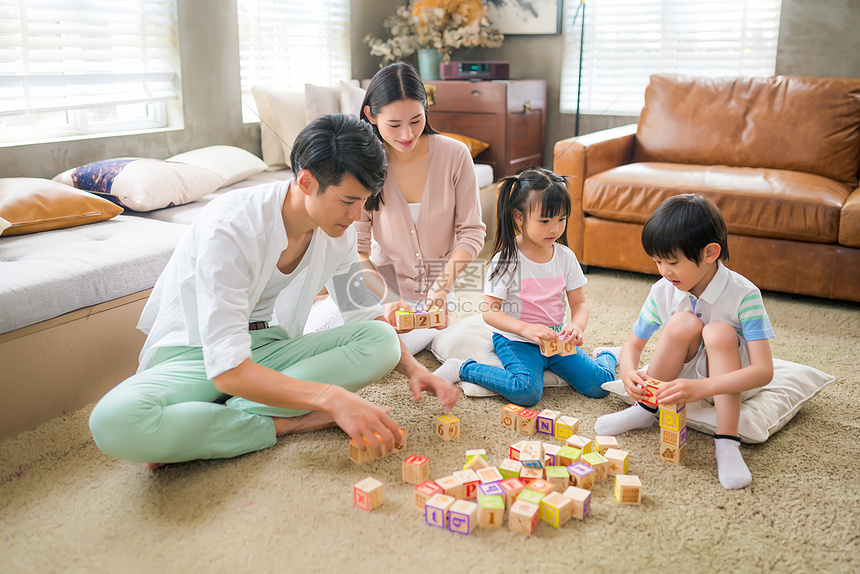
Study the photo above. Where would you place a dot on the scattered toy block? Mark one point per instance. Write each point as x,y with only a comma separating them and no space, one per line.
489,474
523,517
550,454
416,469
675,439
550,347
491,511
436,510
447,427
599,463
404,320
581,443
515,450
617,461
512,488
566,427
558,476
437,317
527,421
567,455
509,415
556,509
581,499
490,489
673,455
673,421
476,463
628,489
604,443
360,456
470,481
542,486
510,468
546,421
530,495
531,454
470,454
463,517
452,486
423,492
651,388
581,475
368,493
530,473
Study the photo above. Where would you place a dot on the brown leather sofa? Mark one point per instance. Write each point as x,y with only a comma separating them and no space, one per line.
780,156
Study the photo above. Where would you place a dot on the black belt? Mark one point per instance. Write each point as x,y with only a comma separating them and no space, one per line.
257,325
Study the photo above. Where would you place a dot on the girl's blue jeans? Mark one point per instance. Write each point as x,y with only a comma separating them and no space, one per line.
521,379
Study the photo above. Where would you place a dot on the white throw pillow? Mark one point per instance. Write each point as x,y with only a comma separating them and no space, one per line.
282,117
321,100
233,163
764,413
351,98
4,225
143,184
472,338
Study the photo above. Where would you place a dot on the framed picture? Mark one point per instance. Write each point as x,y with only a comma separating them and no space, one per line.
514,17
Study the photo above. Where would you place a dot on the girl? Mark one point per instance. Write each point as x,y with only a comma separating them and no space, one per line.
531,274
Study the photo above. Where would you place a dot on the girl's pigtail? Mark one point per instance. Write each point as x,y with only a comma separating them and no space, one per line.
506,229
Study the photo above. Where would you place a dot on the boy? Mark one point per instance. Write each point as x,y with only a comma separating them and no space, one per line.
207,320
715,341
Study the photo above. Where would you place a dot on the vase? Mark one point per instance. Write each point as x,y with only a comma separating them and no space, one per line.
428,63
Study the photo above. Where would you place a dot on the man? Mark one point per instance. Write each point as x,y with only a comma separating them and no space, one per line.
215,379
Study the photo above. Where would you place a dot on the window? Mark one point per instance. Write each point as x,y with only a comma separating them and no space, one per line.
626,41
284,44
72,67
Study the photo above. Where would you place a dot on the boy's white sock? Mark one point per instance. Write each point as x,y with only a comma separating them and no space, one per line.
635,417
732,469
450,370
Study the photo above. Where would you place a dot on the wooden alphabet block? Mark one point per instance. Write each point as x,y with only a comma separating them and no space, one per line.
423,492
558,476
546,421
527,421
437,316
489,474
447,427
542,486
673,408
512,488
515,450
476,463
416,469
550,347
651,388
436,510
568,347
523,517
470,481
368,493
550,454
510,468
567,455
491,511
581,443
470,454
490,489
675,439
531,454
529,495
463,517
367,455
581,499
556,509
452,486
566,427
509,415
604,443
404,320
530,473
673,421
581,475
673,455
628,489
599,463
422,320
617,461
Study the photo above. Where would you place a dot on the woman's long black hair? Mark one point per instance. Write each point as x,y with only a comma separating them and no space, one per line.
532,189
393,83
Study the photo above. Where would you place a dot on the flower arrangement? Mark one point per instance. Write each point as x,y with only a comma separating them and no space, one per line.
441,25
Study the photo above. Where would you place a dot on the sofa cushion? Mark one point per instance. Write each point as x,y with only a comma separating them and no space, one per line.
849,222
233,163
755,201
810,125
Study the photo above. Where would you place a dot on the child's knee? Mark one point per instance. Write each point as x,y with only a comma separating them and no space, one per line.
684,325
720,335
525,391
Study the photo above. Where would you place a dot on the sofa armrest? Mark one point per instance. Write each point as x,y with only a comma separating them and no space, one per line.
849,221
579,158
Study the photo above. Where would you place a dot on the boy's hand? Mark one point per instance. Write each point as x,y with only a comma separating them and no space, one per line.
681,391
535,333
571,333
634,384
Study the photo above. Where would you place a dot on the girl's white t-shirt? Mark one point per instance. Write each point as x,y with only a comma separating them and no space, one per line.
536,292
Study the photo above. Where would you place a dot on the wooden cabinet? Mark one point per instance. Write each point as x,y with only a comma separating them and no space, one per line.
507,114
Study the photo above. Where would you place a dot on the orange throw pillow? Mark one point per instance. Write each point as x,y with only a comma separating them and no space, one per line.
475,146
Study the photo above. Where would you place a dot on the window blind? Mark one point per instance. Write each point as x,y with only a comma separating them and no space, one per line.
284,44
626,41
67,55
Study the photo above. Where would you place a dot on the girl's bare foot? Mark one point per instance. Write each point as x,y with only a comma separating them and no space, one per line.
154,465
312,421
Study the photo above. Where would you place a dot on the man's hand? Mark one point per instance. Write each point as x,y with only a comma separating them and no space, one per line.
360,418
423,380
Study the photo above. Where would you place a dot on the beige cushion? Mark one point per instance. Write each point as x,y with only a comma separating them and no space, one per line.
321,100
233,163
351,98
282,117
32,204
